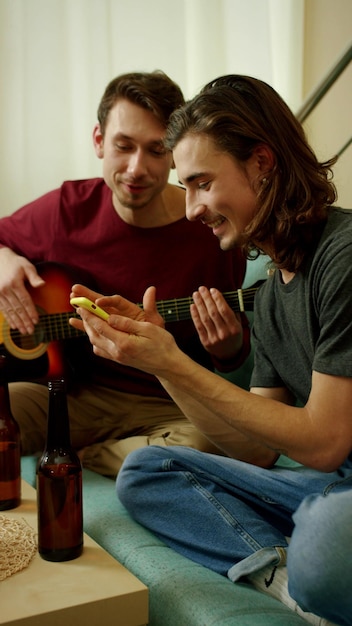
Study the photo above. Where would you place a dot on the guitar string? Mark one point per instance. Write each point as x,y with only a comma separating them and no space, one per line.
183,304
54,321
48,323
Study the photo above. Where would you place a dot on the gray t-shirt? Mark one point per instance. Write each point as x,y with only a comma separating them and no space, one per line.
306,325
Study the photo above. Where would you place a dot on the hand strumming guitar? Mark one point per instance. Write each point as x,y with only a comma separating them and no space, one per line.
16,303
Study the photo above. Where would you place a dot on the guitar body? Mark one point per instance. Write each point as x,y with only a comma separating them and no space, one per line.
46,355
41,356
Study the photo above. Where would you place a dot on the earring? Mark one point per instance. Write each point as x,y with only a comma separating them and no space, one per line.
264,181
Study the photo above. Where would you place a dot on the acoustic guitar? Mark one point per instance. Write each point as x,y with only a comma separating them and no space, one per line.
41,355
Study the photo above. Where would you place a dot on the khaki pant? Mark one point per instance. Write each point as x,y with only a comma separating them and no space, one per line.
107,423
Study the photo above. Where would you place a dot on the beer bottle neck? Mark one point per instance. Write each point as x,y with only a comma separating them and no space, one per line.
58,427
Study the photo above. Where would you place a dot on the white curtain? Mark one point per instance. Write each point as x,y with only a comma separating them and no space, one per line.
56,57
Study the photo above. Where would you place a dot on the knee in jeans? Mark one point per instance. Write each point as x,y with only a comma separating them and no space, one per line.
137,471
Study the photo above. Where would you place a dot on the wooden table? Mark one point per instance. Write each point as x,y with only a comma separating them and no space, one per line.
92,590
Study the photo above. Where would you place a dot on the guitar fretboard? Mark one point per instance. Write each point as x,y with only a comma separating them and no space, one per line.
179,309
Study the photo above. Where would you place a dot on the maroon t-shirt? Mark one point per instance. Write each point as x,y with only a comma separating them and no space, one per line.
77,225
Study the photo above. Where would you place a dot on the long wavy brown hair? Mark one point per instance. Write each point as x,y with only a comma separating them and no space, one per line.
240,113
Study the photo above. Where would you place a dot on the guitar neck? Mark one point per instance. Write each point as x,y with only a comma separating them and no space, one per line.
175,310
178,309
55,326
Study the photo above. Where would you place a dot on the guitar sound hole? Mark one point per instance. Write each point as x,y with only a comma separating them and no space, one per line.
27,342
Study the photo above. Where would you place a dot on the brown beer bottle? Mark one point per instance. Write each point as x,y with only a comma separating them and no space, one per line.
59,485
10,449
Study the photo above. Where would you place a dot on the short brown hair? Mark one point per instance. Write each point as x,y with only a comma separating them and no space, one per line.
153,91
240,113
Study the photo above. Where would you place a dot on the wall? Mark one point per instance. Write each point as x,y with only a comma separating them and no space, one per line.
328,33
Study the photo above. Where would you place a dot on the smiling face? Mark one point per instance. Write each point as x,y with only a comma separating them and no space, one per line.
136,166
219,191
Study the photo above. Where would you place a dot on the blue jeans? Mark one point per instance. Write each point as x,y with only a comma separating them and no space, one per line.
320,556
227,515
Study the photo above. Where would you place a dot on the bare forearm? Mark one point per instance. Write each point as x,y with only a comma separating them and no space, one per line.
221,432
255,427
246,425
202,396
